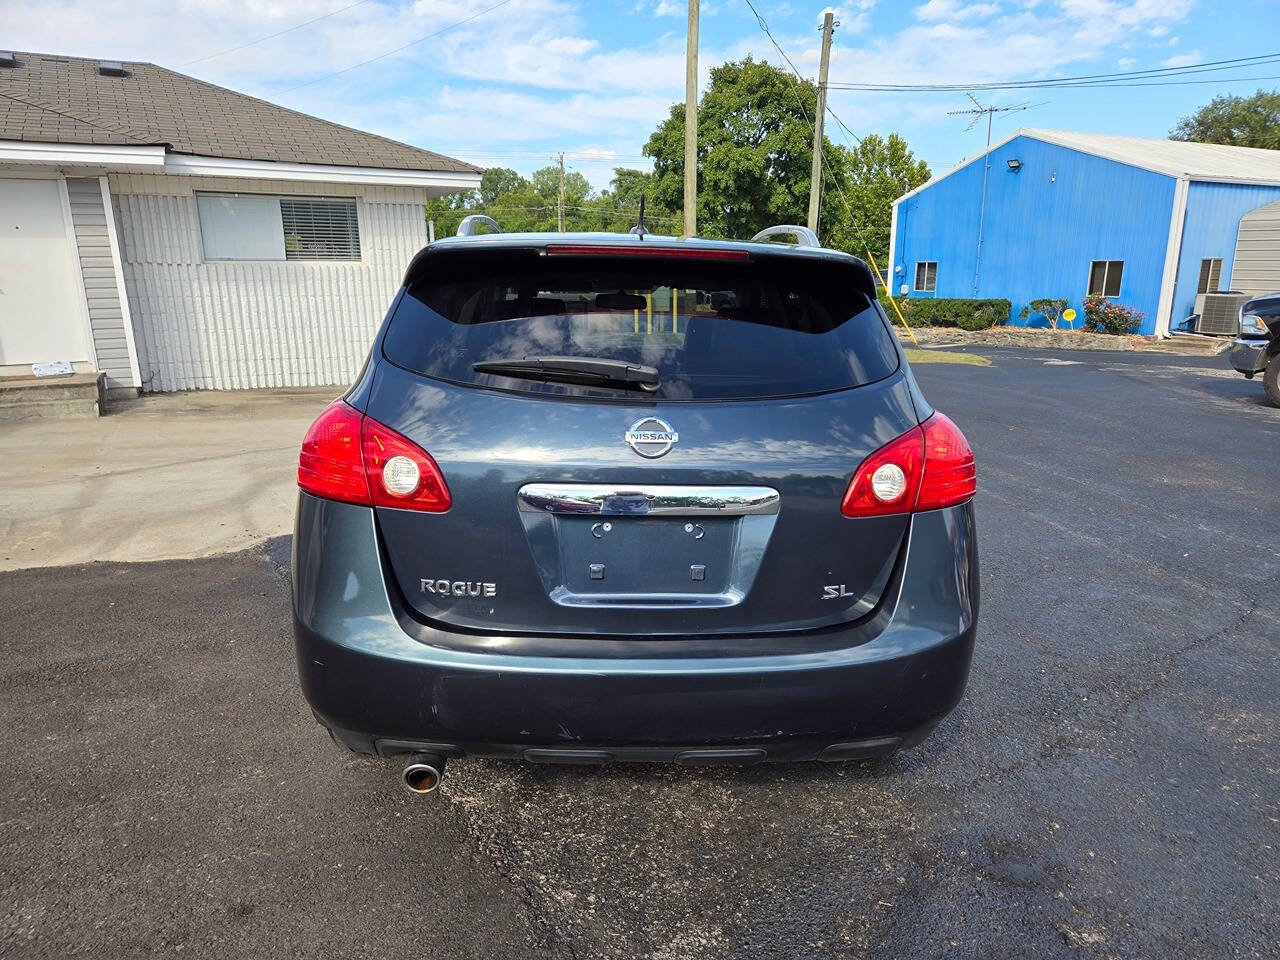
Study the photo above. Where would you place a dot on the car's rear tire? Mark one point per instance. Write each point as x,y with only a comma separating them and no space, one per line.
1271,380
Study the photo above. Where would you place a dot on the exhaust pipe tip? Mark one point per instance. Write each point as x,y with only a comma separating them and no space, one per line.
423,773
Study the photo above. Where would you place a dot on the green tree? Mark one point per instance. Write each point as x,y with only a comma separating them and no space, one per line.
1239,121
754,152
879,170
496,181
628,186
546,184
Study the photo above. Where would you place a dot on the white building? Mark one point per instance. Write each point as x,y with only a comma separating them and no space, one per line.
175,235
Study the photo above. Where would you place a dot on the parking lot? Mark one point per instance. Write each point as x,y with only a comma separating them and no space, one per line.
1108,788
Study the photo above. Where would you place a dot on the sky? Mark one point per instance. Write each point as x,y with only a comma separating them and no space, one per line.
593,78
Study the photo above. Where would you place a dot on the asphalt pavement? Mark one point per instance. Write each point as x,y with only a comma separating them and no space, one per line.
1107,788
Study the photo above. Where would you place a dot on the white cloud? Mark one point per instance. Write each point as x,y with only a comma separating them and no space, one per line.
935,11
1126,62
1183,59
1159,30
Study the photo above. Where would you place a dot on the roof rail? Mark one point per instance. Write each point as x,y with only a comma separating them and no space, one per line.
471,225
804,236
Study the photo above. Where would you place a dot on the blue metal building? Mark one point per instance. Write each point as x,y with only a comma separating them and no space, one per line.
1046,213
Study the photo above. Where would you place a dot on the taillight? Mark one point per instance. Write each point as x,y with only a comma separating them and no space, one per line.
350,457
888,480
401,474
928,467
330,464
950,474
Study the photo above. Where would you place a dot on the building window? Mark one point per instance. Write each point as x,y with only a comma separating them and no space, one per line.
1210,275
926,276
252,226
1104,277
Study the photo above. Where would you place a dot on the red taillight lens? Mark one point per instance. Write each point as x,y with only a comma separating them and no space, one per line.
401,474
928,467
950,474
330,465
869,495
350,457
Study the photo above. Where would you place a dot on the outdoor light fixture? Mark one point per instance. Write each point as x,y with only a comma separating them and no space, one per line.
1015,165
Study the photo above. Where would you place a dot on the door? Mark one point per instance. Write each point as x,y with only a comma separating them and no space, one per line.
41,305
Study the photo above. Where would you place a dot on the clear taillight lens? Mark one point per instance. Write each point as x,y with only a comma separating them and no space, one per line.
401,474
928,467
353,458
888,480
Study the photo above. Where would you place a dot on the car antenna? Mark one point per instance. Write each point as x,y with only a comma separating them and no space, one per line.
640,229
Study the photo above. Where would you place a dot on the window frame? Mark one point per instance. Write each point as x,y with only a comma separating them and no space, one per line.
915,284
1106,276
1206,282
274,195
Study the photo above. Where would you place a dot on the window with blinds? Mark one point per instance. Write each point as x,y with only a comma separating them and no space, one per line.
238,226
319,229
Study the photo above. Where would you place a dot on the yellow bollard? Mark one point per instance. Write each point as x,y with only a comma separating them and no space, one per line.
889,294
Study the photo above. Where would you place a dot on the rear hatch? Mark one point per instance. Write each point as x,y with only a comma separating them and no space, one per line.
640,439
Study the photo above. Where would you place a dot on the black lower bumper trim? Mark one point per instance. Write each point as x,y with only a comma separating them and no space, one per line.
785,750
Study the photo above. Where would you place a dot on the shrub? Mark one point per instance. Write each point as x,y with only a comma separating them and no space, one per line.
1047,307
1103,316
955,312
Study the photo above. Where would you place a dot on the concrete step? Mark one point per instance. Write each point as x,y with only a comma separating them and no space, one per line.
29,398
39,409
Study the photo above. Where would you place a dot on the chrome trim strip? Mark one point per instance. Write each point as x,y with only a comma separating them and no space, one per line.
646,500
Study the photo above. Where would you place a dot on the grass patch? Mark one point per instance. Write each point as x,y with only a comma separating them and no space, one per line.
945,356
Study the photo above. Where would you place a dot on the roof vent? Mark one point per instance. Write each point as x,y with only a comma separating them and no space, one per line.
112,68
7,59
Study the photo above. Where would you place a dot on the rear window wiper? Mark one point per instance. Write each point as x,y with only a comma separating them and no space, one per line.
590,371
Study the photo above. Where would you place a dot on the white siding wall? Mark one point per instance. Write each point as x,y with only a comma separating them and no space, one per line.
1257,264
229,325
93,244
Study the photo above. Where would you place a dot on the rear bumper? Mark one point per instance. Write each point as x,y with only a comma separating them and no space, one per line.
879,685
1248,356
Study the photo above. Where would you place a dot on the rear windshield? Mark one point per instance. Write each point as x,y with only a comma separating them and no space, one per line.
714,330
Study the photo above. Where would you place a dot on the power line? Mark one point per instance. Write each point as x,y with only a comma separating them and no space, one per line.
1065,86
1155,76
406,46
764,26
827,175
272,36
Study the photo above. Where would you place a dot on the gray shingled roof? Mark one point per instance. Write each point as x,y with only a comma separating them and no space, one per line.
55,99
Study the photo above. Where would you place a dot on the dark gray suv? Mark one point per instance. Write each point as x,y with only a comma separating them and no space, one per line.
604,497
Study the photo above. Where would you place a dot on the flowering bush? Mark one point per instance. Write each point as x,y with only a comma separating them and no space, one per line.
1104,316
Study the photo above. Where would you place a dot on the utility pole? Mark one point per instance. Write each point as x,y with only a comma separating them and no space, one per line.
560,205
815,174
691,123
977,112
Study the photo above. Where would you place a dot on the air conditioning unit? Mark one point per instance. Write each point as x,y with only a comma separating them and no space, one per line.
1220,313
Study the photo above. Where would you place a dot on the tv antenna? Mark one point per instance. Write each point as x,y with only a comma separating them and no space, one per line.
978,111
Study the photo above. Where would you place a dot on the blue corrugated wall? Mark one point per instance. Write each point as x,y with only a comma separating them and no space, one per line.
1043,226
1210,230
